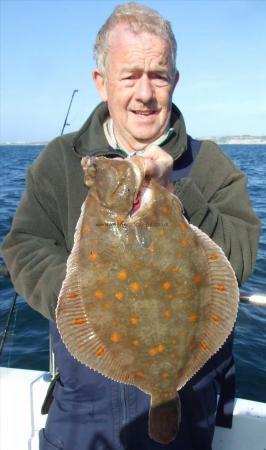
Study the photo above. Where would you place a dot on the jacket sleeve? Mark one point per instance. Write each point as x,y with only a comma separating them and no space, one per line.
215,199
35,251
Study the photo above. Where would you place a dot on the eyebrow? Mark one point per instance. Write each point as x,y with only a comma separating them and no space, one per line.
140,69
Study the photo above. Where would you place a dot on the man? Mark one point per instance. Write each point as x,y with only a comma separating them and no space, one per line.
136,76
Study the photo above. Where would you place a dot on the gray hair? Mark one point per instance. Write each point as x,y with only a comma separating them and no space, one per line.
140,18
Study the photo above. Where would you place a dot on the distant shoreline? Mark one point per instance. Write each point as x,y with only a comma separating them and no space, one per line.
222,140
237,140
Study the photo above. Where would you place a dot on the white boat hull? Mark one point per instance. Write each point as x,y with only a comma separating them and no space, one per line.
22,393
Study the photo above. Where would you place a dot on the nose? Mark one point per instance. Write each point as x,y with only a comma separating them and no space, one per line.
144,89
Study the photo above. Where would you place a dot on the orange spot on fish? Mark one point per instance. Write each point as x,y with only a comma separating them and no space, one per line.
94,240
213,257
219,287
116,337
134,287
122,275
136,342
179,254
161,232
127,377
85,230
174,341
119,295
139,373
183,225
165,210
134,320
175,269
106,306
158,349
119,221
189,295
98,294
151,248
193,318
166,285
100,351
153,351
185,242
204,345
93,256
168,313
197,279
79,321
215,318
165,375
72,295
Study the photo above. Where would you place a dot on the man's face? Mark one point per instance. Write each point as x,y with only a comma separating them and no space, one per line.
138,86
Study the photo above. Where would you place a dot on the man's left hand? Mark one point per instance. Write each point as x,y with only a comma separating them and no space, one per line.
158,165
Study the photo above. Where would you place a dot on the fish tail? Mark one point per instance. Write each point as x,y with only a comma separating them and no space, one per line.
164,420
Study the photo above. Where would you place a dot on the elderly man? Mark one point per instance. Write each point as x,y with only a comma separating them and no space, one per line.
136,75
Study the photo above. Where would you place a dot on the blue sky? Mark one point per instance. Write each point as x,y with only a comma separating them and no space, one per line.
46,52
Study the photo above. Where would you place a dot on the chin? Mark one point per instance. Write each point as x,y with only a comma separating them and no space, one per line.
147,138
139,133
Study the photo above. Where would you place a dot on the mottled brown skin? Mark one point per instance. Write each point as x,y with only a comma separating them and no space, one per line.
143,301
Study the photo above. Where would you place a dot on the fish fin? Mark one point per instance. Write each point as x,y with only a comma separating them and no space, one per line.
73,321
164,420
223,300
78,333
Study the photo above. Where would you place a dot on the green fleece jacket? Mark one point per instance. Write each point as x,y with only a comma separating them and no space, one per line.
41,237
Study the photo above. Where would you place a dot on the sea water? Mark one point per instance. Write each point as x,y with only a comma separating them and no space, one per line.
27,345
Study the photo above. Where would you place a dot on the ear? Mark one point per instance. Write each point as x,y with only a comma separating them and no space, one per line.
100,83
176,79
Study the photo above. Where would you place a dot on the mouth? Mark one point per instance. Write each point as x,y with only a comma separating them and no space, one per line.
144,113
136,203
142,200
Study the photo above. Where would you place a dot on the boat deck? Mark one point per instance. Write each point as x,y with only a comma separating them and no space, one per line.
22,393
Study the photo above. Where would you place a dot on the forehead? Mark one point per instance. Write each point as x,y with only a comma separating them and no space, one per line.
127,47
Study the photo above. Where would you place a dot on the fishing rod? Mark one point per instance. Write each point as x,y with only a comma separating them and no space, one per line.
69,107
3,268
8,321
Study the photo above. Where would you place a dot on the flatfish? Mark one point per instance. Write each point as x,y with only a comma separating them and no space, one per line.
147,298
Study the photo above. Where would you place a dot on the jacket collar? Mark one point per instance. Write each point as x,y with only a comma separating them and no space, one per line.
91,140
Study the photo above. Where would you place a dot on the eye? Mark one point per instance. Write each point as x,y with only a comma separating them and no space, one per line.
161,79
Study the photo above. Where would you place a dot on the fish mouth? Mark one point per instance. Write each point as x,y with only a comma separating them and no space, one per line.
136,203
142,199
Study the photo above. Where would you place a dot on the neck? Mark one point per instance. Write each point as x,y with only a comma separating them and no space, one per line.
129,146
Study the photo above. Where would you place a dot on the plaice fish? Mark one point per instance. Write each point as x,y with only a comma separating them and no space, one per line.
147,298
